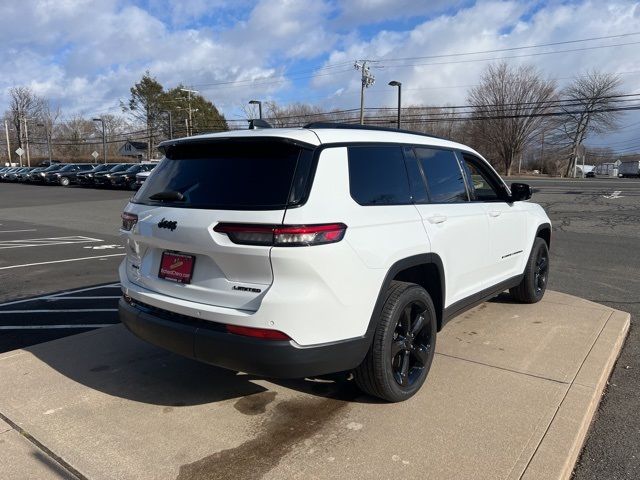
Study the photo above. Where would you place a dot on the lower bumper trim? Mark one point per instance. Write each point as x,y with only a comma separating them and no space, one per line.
268,358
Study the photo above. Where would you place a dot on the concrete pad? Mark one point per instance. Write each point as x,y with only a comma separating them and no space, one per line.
549,340
19,458
504,402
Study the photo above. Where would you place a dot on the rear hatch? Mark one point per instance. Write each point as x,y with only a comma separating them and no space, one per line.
197,186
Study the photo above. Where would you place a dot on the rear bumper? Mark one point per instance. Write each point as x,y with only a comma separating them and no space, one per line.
210,343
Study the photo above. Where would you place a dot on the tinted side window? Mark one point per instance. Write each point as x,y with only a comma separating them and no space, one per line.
443,174
377,176
481,185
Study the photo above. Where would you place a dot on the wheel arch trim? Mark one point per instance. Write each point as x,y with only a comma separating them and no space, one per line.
404,264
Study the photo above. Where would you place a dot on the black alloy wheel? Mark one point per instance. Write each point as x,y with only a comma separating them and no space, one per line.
541,271
536,275
403,344
411,345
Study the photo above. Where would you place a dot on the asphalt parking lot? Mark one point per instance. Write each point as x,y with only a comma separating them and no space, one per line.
59,251
56,243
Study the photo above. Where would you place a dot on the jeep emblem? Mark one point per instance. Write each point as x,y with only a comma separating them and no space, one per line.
170,224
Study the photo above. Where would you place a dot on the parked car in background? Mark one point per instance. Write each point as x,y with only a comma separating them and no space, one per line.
103,179
13,175
141,178
629,169
47,163
28,177
127,179
21,176
40,177
86,178
67,175
6,173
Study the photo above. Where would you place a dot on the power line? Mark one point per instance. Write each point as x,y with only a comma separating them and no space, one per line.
445,55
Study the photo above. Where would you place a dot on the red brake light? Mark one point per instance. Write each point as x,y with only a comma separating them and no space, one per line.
263,333
128,220
283,235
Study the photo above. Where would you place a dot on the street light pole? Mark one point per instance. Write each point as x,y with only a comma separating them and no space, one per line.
259,103
104,139
395,83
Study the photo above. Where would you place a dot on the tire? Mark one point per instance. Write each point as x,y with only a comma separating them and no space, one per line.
64,181
132,185
536,275
398,363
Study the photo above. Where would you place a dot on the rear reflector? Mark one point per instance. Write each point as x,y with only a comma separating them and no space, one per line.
262,333
128,221
283,235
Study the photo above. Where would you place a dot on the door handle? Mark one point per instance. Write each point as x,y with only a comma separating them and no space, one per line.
495,213
437,219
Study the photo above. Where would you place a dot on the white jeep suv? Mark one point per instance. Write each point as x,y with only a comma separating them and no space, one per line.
329,248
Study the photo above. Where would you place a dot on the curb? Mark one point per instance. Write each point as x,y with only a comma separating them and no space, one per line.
559,449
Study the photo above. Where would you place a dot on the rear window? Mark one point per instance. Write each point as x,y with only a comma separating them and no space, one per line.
231,175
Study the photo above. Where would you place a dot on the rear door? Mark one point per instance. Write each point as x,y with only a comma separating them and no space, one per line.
243,182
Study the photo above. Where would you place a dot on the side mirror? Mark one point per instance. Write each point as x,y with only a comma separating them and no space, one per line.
520,191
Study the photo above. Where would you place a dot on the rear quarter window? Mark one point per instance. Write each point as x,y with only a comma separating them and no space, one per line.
378,176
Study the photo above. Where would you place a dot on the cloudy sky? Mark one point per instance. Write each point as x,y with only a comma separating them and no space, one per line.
84,55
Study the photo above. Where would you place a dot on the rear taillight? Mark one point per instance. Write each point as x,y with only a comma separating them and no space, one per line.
128,221
283,235
263,333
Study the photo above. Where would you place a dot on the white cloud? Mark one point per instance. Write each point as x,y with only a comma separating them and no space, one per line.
87,54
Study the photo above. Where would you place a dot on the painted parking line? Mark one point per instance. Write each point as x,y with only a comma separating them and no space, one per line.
60,294
55,327
16,231
62,261
80,309
47,242
57,299
61,310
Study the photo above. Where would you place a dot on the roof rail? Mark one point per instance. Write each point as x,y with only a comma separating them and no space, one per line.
352,126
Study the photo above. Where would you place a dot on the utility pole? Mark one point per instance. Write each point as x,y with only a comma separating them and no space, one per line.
6,131
104,139
190,124
168,112
26,137
367,80
542,154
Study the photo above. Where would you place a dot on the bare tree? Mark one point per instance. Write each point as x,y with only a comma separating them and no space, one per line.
508,108
49,116
589,106
73,134
24,105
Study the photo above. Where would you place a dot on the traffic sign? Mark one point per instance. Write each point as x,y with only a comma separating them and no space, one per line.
20,151
95,154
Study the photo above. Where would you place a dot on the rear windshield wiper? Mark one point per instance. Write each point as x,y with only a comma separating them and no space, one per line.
168,195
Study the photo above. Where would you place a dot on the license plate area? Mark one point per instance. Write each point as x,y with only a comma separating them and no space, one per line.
176,267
